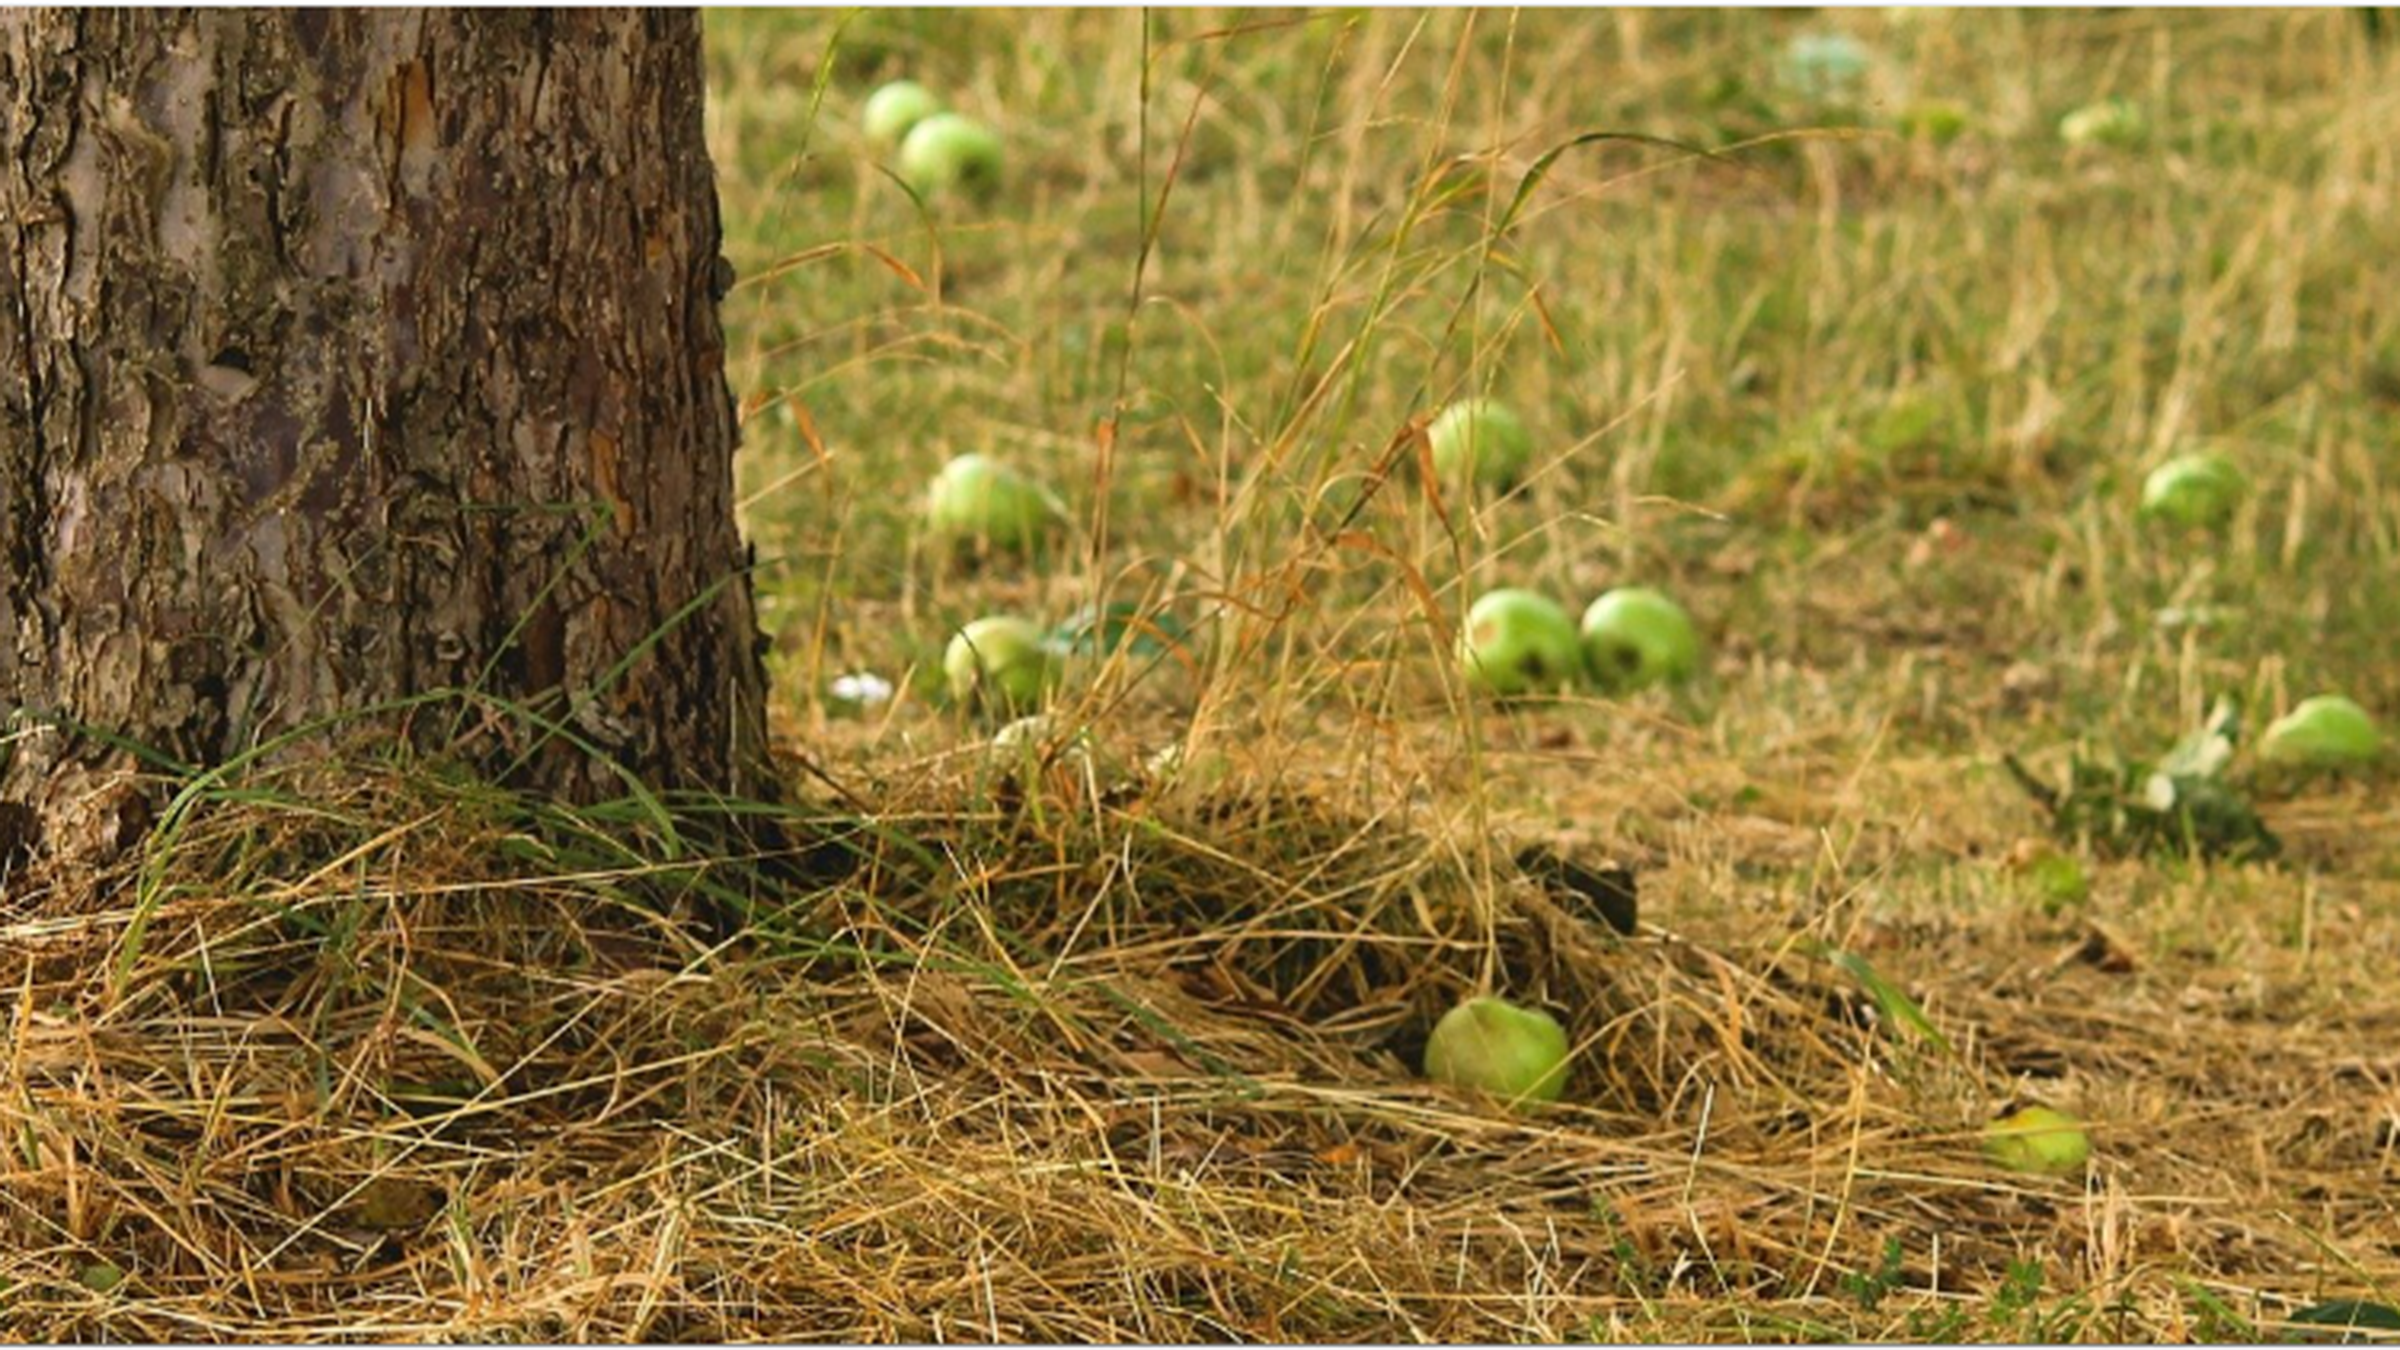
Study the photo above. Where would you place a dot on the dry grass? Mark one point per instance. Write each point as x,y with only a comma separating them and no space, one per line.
360,1050
1144,1074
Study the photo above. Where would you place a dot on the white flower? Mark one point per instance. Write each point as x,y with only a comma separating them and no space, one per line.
863,689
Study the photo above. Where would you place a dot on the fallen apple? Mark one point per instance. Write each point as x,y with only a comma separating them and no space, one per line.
976,498
2038,1139
1025,733
1491,1045
999,660
947,153
1479,440
1517,642
894,109
1634,637
2325,732
2111,121
1050,755
1030,739
2194,491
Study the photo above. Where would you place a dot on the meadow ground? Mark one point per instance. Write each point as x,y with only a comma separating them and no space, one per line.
1867,374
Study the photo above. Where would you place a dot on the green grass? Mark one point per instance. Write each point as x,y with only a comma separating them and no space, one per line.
1792,358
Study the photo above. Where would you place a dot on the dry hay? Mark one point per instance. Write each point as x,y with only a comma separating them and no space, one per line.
400,1058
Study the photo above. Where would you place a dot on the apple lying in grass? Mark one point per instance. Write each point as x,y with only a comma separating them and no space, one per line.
2325,732
999,660
1517,642
977,498
950,153
2194,491
1027,740
1492,1045
2038,1139
1479,440
1052,756
1634,637
2111,121
896,108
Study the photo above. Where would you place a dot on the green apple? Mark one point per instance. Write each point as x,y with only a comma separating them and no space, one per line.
977,498
1029,738
1492,1045
1026,733
2112,121
1517,642
895,108
2195,491
1634,637
999,660
2325,732
948,153
1481,440
1047,753
2038,1139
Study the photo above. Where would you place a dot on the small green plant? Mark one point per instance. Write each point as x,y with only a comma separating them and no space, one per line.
2184,803
1938,121
2013,1303
1930,1327
2215,1320
2061,881
1870,1287
1119,625
2016,1312
1890,999
1634,1271
2340,1319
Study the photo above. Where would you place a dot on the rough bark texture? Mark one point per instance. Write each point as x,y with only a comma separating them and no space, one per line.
348,356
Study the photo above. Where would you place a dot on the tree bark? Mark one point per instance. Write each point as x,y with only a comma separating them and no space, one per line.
348,356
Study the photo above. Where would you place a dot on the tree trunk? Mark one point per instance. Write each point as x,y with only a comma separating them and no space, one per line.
351,356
